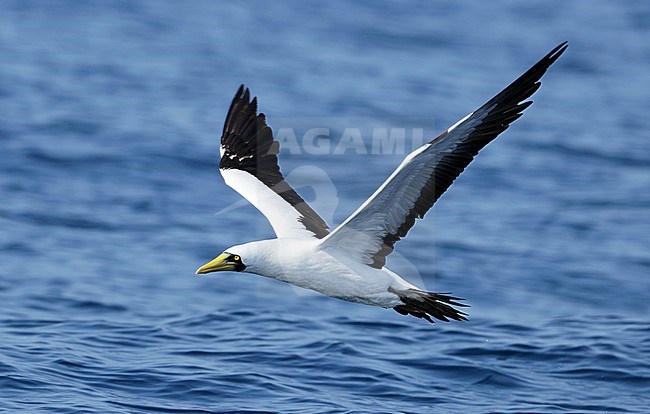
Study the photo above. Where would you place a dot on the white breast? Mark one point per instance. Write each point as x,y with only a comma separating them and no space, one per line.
301,263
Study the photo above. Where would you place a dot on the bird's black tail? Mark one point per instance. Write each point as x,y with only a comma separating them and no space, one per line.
425,305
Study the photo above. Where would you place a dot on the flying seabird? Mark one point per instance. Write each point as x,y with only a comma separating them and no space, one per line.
348,262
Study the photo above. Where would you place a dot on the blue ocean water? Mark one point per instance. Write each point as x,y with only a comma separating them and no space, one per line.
110,199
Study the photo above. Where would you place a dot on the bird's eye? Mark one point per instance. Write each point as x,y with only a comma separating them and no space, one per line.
236,258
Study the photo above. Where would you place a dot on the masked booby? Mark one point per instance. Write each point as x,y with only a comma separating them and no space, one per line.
348,262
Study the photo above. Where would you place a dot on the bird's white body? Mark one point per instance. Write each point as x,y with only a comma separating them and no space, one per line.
304,263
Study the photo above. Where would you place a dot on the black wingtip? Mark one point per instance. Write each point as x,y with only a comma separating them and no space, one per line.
244,94
554,54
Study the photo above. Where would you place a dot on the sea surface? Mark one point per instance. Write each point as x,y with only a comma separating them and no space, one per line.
110,198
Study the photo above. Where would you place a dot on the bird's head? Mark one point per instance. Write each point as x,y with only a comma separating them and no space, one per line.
253,257
226,261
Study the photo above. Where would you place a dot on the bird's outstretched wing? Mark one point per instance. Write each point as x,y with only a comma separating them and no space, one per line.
249,164
370,233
